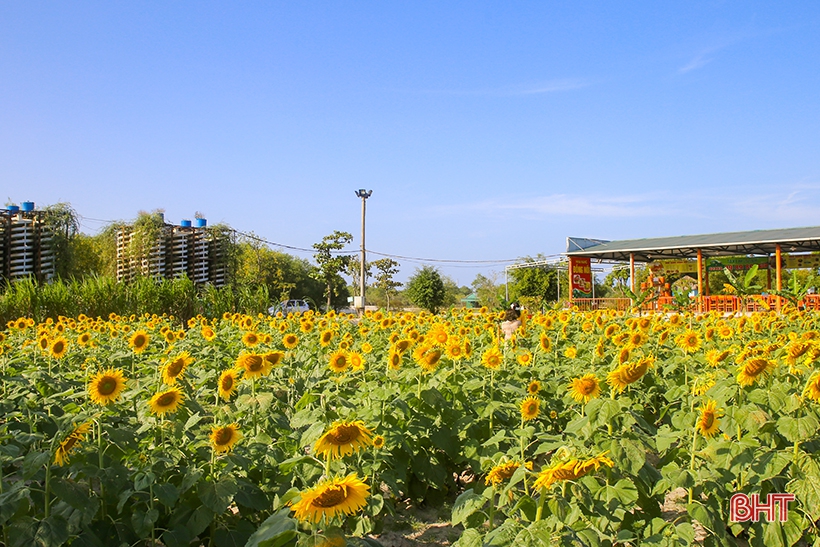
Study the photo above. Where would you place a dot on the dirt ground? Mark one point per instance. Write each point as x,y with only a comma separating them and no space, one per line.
425,527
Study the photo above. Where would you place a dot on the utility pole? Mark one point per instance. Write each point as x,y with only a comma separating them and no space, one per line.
364,194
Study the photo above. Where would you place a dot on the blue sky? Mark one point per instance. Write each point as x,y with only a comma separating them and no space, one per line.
486,130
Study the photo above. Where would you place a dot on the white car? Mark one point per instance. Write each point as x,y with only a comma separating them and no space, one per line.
289,306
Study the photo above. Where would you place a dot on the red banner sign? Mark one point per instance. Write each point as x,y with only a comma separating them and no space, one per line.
580,277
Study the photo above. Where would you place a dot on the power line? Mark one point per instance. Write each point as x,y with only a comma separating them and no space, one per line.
291,247
454,263
449,261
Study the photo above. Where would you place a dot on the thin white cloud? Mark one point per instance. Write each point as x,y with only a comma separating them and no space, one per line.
784,207
699,61
575,205
552,86
540,88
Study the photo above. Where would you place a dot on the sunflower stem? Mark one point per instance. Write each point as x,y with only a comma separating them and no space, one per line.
492,507
48,489
540,511
492,398
692,460
253,396
521,439
100,459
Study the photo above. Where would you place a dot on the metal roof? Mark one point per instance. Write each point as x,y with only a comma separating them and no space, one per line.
756,242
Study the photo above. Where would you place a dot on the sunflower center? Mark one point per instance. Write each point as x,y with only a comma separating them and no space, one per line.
344,434
167,399
223,436
227,383
755,367
331,497
139,341
253,363
107,385
587,386
340,361
58,347
634,373
707,420
175,368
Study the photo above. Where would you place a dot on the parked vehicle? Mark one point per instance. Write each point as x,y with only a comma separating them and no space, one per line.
289,306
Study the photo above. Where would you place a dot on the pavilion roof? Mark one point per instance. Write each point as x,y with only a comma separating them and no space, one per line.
755,242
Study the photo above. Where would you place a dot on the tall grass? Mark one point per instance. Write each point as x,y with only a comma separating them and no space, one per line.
100,296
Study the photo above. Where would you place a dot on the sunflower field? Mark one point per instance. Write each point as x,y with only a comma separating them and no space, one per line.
597,428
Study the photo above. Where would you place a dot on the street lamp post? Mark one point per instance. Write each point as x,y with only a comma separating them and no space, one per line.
364,194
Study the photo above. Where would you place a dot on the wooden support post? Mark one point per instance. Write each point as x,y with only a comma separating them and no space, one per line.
632,271
700,281
778,272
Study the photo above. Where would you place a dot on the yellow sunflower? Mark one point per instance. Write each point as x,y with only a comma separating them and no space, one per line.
250,339
394,360
584,388
530,408
427,357
70,442
571,352
402,345
174,368
43,342
796,350
503,472
628,373
812,390
208,333
356,360
332,497
273,358
570,470
227,384
325,338
139,341
290,340
166,402
378,442
524,358
545,343
338,361
534,387
223,438
59,347
84,339
254,365
106,386
343,438
753,369
455,351
708,423
689,341
715,356
492,358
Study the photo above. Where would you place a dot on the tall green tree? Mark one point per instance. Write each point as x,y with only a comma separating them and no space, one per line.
386,268
426,289
538,284
64,224
331,263
489,292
